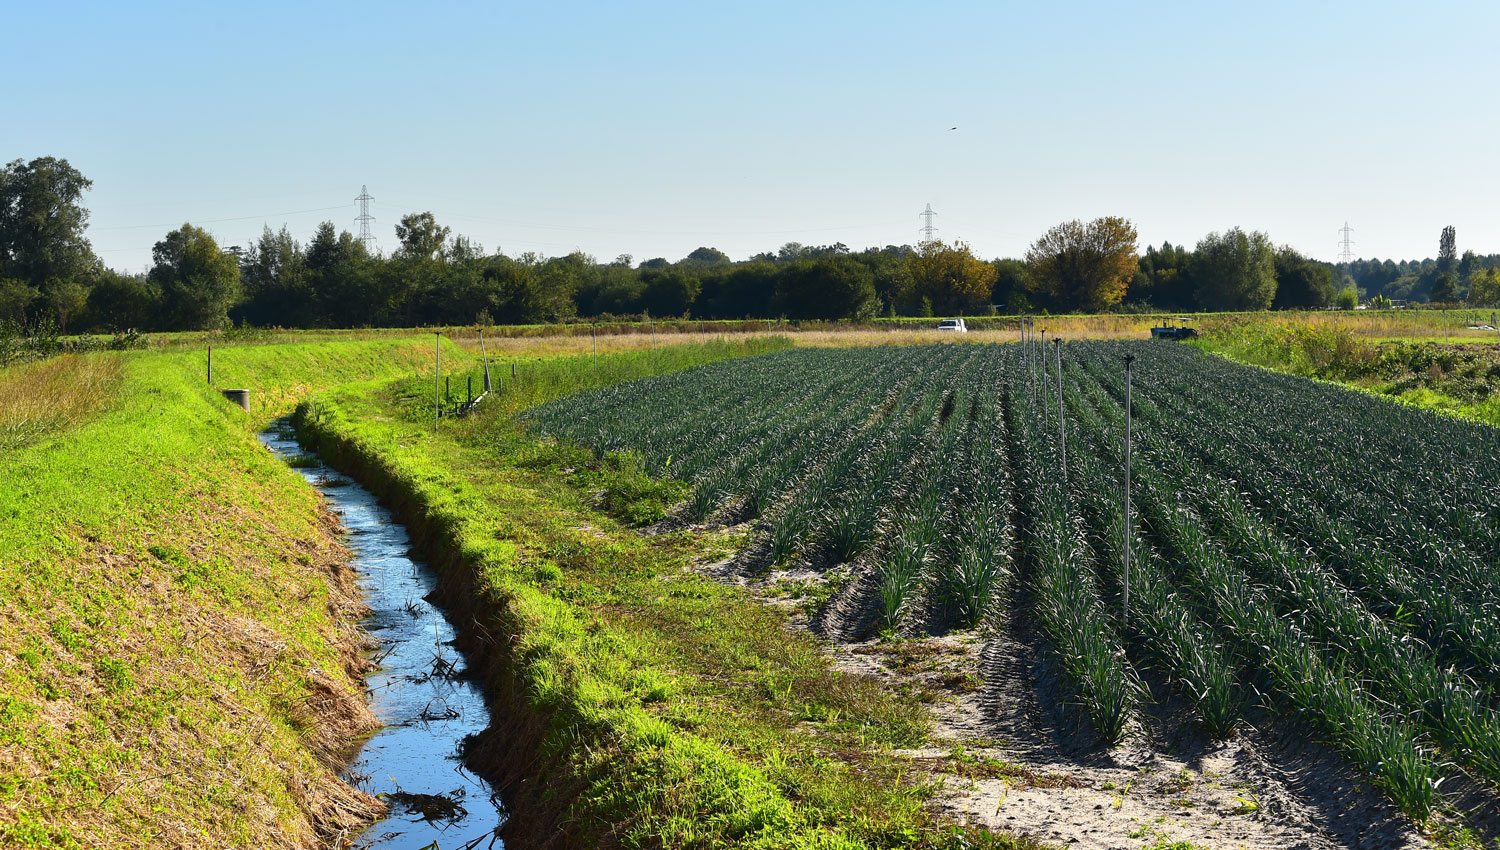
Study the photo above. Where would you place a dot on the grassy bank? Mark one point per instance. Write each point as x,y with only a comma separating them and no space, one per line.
1459,378
641,704
178,635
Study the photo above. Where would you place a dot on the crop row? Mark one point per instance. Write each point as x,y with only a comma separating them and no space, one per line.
1328,555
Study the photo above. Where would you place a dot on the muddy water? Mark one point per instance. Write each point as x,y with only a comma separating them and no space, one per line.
421,691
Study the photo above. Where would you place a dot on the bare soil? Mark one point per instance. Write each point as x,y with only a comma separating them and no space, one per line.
1013,754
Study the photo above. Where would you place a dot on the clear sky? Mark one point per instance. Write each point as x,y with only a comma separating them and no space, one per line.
653,128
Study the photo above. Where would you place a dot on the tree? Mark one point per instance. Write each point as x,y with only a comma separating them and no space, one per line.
951,277
706,257
1347,299
1468,264
66,298
421,237
791,251
199,282
1484,288
15,297
669,292
343,288
829,287
276,283
1445,285
1084,266
740,291
122,302
1012,280
1301,282
1162,279
1234,270
42,223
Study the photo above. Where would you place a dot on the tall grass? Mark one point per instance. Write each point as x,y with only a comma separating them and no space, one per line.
38,399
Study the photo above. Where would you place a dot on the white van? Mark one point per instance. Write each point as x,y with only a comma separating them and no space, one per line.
952,325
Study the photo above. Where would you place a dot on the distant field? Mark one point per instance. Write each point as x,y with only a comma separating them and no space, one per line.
1313,551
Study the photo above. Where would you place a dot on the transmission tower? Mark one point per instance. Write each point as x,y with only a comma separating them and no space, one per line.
928,230
364,218
1346,246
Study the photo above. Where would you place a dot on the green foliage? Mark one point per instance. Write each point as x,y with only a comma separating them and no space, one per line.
1303,283
1084,266
42,223
1234,270
949,279
1347,299
198,281
421,237
836,287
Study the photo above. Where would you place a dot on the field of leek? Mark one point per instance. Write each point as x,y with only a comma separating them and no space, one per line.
1318,551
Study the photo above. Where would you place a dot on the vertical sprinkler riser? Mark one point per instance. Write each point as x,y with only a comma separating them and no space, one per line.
1062,422
1125,605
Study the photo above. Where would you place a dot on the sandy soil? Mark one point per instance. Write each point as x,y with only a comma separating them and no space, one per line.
1014,756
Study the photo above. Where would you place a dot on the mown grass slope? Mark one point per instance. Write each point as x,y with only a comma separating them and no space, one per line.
178,635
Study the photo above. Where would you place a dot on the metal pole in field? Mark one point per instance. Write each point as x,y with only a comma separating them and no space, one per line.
1046,384
1125,607
486,356
1031,378
1062,421
210,365
594,332
437,371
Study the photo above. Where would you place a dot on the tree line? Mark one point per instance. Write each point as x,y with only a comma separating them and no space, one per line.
48,272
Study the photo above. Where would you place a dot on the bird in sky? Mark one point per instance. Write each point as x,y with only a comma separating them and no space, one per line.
952,128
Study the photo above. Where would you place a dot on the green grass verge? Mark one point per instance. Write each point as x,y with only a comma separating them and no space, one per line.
639,702
1459,380
177,635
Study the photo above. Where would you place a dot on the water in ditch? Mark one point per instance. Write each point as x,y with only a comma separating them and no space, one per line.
421,691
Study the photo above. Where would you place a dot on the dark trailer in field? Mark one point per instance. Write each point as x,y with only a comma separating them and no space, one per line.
1174,331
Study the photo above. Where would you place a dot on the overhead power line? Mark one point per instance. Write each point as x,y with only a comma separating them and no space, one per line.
218,220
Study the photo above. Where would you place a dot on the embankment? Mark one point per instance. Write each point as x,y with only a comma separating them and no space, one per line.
179,636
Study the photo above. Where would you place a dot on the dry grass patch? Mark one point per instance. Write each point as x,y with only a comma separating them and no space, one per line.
37,399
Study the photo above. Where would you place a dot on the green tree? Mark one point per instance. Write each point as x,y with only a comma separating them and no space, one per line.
670,292
1445,285
1084,266
951,277
122,302
199,282
1012,282
829,287
707,257
347,289
15,297
421,237
42,223
276,283
1301,282
66,299
1234,270
1484,288
1347,299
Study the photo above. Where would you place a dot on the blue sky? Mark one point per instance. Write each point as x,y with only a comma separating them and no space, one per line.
652,128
